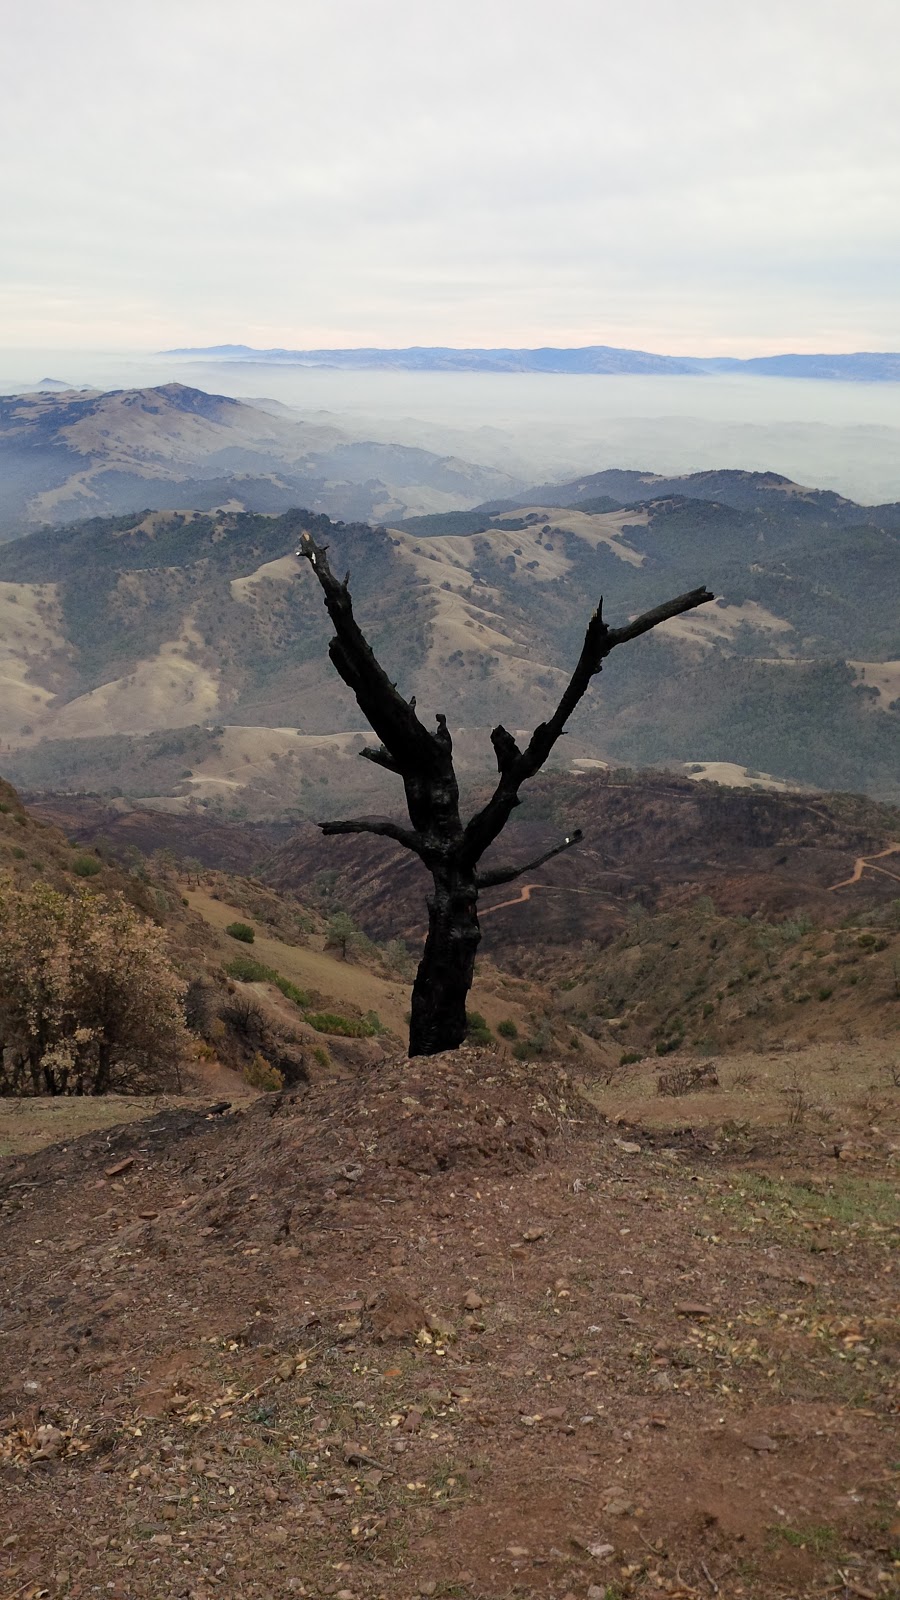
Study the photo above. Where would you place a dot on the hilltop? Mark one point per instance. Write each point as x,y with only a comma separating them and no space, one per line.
411,1329
87,453
634,1244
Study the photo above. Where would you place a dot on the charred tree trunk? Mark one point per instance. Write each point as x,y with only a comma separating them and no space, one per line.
444,978
424,761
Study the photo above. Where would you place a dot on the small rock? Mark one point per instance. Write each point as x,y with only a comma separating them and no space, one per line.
161,1538
440,1326
595,1592
284,1370
618,1506
691,1308
532,1235
428,1588
169,1513
627,1147
600,1552
518,1552
759,1441
412,1422
119,1168
472,1300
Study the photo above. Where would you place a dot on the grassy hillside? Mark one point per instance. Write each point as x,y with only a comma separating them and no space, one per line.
207,624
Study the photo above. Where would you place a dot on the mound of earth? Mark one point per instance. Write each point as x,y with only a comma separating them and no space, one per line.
439,1328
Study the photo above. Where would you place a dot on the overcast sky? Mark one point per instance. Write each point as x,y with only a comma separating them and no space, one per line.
697,176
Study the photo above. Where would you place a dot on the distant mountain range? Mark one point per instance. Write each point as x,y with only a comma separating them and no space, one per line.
861,367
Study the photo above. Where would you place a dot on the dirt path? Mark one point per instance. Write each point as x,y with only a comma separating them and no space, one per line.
862,862
525,894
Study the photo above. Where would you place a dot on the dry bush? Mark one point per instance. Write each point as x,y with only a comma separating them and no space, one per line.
88,1000
253,1032
684,1080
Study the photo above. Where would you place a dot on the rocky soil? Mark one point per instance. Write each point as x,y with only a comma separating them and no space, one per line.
441,1329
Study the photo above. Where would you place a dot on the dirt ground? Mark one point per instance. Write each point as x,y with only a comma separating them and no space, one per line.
450,1329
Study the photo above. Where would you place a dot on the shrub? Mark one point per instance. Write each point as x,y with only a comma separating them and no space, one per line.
477,1030
342,1027
241,931
86,866
629,1057
507,1029
88,1000
248,970
260,1074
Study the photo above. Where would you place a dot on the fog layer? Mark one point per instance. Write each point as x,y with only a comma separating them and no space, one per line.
836,436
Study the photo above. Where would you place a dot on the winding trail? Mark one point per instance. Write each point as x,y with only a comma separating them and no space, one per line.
862,862
525,894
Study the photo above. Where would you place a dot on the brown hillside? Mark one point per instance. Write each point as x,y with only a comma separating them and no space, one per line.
653,840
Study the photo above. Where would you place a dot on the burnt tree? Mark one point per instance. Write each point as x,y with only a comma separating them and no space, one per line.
449,848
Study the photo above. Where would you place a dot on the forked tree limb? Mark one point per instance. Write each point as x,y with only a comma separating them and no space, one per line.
497,875
515,765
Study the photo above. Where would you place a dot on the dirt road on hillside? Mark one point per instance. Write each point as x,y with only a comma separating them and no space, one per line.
862,862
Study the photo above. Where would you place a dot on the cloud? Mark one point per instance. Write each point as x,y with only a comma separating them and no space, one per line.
676,173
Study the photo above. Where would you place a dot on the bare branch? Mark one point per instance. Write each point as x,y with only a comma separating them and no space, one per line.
381,825
599,640
393,718
381,758
498,875
663,613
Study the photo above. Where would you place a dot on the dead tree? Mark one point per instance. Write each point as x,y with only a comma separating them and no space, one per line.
449,848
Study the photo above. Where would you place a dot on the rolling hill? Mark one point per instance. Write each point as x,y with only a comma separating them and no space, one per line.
81,453
183,655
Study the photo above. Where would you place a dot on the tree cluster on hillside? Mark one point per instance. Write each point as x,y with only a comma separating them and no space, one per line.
88,1000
